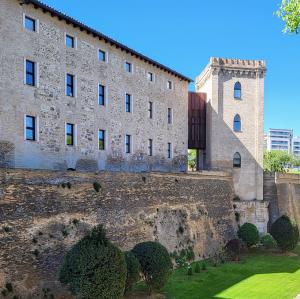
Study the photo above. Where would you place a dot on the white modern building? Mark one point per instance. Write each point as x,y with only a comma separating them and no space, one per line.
282,139
296,146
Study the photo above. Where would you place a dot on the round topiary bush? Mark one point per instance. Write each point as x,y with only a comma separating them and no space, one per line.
155,263
285,232
133,270
94,268
249,234
268,241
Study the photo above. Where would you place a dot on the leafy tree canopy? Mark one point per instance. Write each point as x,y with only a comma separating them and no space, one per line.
289,12
279,161
94,268
285,231
192,159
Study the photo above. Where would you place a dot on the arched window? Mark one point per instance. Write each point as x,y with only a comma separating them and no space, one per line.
237,90
237,161
237,127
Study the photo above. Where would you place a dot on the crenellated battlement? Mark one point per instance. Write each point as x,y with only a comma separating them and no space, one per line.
233,66
237,63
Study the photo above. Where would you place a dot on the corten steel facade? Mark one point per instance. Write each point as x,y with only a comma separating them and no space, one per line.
197,120
235,121
71,97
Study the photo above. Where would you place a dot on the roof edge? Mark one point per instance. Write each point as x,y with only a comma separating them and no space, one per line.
95,33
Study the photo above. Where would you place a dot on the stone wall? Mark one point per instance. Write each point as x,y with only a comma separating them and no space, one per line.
48,103
253,211
283,193
43,213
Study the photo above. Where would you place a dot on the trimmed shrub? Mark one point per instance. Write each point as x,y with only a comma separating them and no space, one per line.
190,271
285,232
249,234
233,249
268,241
94,268
133,270
197,268
203,267
155,263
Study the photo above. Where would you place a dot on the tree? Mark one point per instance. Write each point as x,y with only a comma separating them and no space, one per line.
156,264
133,270
268,241
249,234
277,161
94,268
192,159
289,12
285,232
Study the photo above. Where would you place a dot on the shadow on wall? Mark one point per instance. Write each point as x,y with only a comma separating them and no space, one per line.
224,147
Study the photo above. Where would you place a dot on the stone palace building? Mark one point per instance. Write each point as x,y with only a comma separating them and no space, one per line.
73,98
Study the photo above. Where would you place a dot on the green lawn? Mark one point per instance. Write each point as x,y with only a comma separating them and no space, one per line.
257,276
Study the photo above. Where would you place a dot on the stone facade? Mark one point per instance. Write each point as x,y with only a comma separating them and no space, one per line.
47,101
253,211
283,193
218,81
43,213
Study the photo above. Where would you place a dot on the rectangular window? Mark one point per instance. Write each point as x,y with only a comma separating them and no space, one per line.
30,73
150,110
128,144
101,140
102,55
101,99
170,85
169,150
128,67
30,24
70,134
30,128
128,102
70,85
150,77
150,147
170,116
70,41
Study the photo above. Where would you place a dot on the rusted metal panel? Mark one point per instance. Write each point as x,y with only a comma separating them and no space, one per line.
197,120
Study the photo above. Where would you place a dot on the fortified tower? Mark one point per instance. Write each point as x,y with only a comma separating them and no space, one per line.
235,121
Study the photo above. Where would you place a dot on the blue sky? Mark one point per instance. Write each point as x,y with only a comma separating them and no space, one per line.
184,34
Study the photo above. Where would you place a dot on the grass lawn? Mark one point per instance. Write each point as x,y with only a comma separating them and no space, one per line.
257,276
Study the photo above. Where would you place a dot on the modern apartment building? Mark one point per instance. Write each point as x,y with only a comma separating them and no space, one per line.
296,146
283,139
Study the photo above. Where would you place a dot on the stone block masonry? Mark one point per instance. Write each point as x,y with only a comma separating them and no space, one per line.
282,190
42,214
224,139
47,102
